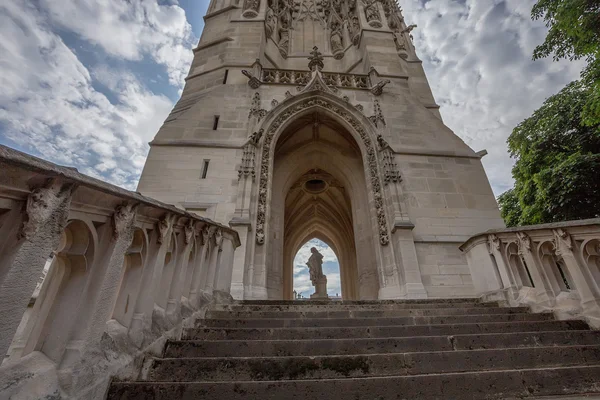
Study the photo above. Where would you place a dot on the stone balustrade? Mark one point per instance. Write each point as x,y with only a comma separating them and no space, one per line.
123,273
549,267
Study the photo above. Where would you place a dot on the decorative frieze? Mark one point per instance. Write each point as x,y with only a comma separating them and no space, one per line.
294,77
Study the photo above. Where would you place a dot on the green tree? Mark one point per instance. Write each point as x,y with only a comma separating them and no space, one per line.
557,169
574,33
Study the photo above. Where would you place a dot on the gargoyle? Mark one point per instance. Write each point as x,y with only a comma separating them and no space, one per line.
253,81
377,90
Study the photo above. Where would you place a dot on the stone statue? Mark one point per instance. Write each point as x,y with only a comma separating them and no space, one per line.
337,47
372,13
319,281
270,22
284,35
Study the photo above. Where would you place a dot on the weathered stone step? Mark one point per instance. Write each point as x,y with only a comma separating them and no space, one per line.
364,313
357,366
357,302
378,332
342,322
491,385
309,306
311,347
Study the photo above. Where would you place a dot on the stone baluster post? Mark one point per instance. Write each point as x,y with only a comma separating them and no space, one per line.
215,255
150,283
46,216
101,291
583,279
173,309
544,295
506,274
199,276
225,270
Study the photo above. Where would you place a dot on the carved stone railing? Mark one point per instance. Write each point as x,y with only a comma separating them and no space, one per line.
292,77
123,273
549,267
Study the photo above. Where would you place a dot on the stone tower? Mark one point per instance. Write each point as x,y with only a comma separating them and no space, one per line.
309,119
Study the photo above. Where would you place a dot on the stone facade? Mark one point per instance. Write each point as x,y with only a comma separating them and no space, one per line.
281,93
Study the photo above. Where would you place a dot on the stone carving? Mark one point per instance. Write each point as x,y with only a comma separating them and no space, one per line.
250,9
205,234
315,60
408,30
315,268
253,81
493,243
123,218
377,117
270,22
274,103
189,231
523,242
562,240
288,95
371,165
284,34
255,137
292,77
164,225
219,239
377,89
41,204
337,46
255,110
372,13
247,167
354,28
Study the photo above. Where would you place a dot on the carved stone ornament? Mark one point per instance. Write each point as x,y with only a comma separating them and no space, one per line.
562,240
247,167
274,103
377,117
253,81
377,89
189,230
205,233
219,238
42,203
371,165
493,243
372,13
255,110
123,218
251,8
164,225
524,242
315,61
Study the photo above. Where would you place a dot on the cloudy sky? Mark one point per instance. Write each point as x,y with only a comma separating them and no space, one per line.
87,83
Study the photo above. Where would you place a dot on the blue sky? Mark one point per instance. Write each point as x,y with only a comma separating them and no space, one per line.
88,83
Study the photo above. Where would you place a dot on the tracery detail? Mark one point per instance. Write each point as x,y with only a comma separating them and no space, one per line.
255,110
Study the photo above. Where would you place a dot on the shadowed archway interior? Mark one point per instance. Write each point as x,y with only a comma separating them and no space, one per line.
319,183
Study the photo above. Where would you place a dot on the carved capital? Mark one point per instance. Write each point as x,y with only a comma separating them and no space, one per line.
219,238
493,243
42,203
123,219
164,226
523,242
190,231
562,241
205,234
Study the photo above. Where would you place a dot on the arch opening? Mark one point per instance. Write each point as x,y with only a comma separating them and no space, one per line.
331,269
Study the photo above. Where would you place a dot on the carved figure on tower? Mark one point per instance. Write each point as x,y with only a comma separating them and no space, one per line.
337,48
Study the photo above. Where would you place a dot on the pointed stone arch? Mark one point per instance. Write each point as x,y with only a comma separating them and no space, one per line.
321,98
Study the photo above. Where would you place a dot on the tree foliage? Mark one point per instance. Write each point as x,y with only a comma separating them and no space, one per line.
557,169
574,33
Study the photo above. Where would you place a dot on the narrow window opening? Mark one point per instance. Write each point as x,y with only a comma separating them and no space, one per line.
205,168
563,276
216,123
225,77
528,273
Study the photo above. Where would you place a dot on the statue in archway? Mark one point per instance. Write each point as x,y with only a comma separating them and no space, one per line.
319,281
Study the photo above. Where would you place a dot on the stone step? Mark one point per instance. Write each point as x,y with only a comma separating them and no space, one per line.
309,306
477,385
357,302
345,322
310,347
364,313
207,333
358,366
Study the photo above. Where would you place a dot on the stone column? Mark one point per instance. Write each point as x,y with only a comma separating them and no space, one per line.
101,289
583,279
405,248
150,283
544,296
239,260
46,216
173,308
199,276
224,274
214,262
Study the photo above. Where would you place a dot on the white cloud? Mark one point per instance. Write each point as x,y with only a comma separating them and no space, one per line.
131,30
478,58
48,104
302,282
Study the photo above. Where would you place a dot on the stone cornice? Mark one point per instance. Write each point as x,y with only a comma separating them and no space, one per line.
221,11
212,43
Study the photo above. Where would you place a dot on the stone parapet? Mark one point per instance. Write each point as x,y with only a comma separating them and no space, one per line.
117,274
549,267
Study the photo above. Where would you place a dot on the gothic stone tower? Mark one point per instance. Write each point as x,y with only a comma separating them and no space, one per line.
314,118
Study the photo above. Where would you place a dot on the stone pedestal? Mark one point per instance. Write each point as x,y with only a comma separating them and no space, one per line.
320,288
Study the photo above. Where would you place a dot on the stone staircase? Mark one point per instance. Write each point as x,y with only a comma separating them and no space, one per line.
373,350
